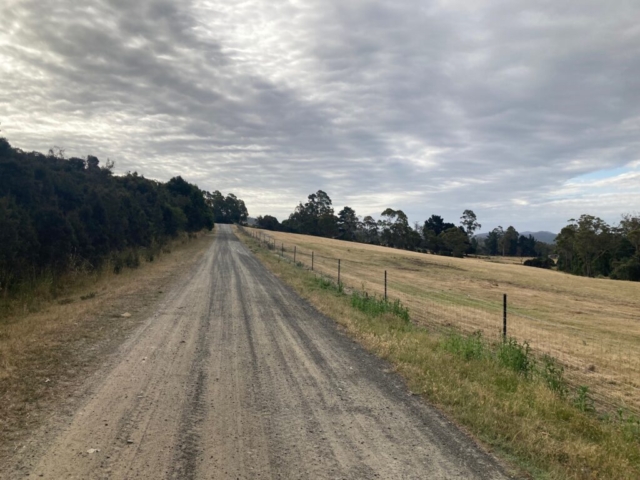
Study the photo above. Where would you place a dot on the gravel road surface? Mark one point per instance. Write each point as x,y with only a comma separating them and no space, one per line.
236,377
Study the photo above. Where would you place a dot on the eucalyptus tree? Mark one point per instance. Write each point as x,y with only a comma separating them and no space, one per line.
469,222
347,224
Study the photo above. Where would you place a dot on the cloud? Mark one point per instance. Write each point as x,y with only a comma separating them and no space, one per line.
431,107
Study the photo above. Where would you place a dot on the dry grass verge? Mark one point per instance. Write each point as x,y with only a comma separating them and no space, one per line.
591,325
550,435
47,353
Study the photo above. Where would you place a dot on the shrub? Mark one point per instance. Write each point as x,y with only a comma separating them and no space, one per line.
553,375
324,284
515,356
131,259
583,400
468,347
539,262
628,270
378,305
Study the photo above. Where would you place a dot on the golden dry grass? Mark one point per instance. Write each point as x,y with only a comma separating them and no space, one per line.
591,325
520,417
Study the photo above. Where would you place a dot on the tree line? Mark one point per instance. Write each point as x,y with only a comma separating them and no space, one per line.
58,213
510,243
317,217
587,246
435,235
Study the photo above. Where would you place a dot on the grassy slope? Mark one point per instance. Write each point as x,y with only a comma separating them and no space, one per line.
591,325
518,415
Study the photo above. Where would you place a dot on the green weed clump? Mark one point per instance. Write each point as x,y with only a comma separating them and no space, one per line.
326,284
630,426
468,347
373,305
552,372
583,400
516,356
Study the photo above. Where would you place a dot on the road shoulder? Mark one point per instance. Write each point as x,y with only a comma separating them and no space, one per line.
67,347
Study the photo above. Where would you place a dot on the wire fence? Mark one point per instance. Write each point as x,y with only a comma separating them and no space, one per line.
609,368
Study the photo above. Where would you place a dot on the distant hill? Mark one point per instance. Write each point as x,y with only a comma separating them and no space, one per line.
546,237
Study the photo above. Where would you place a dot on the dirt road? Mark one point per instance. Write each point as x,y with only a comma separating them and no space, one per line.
236,377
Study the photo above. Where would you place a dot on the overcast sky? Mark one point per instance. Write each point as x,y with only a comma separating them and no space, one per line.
527,112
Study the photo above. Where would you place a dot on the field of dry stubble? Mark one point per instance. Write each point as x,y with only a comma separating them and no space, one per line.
591,325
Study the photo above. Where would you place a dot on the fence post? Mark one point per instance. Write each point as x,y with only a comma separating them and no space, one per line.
312,261
504,317
282,250
294,254
385,285
338,272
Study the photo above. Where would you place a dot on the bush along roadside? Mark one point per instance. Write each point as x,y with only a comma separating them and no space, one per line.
517,404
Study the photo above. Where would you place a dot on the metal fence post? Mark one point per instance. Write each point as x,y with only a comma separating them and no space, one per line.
312,261
338,271
385,285
294,254
282,251
504,317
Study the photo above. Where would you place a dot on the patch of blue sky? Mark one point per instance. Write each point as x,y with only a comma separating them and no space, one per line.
601,174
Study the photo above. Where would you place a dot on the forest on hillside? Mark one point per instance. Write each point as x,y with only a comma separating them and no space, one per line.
58,214
587,246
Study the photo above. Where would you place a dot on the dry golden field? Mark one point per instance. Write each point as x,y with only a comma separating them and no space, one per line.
591,325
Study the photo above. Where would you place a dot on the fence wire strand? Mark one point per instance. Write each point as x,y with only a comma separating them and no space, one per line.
613,383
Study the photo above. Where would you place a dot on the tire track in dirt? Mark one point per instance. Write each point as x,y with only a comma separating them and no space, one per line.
237,377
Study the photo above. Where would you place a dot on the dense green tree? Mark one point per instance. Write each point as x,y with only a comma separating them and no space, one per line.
347,224
268,222
395,230
369,230
589,246
192,201
493,242
229,209
586,245
432,229
455,242
526,246
630,228
436,224
19,244
58,213
315,217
